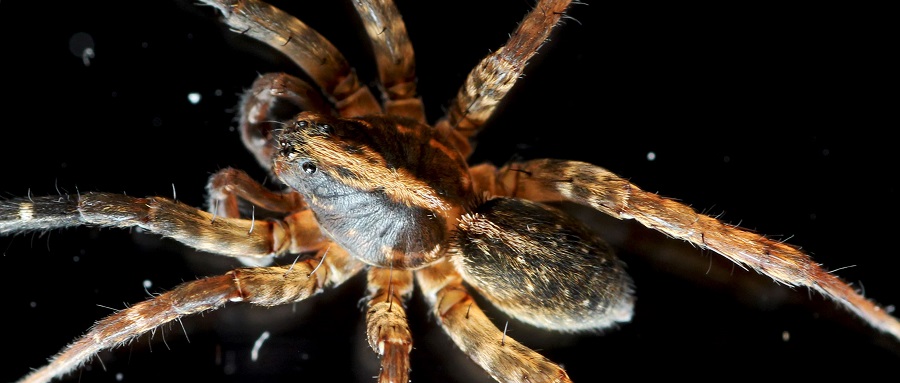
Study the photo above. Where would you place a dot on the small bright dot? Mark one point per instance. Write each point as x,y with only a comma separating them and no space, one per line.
651,156
33,304
254,354
785,336
148,284
194,97
119,376
82,45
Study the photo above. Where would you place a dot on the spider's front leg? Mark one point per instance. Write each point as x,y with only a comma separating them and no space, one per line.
296,233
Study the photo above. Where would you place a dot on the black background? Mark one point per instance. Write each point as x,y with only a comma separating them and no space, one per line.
774,118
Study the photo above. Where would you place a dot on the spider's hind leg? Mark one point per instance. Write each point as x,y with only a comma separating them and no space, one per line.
558,180
264,286
504,358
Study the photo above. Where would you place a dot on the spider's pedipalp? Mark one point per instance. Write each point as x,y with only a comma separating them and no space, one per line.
504,358
271,102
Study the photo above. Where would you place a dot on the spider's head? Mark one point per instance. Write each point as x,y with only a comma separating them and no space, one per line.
405,160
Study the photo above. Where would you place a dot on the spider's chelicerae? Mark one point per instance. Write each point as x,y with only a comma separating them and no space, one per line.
623,105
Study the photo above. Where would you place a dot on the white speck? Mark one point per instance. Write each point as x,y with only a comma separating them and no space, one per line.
254,354
82,45
148,284
33,304
194,97
785,336
119,376
75,258
86,56
651,156
890,309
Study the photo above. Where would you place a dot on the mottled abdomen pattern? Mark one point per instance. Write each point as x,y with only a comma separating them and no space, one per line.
542,266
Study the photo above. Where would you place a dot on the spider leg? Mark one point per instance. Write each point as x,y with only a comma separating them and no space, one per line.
325,65
490,80
557,180
296,233
264,286
505,359
395,57
386,325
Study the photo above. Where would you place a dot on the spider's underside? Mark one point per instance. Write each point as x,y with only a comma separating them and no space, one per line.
534,75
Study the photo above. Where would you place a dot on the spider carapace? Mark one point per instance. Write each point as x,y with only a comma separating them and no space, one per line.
370,186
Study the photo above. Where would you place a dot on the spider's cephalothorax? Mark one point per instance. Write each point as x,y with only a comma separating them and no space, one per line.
372,187
388,189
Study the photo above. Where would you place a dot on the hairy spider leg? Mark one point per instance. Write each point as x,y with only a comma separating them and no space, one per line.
492,79
587,184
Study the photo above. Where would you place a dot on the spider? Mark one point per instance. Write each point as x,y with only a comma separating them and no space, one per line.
534,76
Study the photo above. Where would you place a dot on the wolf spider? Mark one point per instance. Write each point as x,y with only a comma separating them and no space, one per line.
287,260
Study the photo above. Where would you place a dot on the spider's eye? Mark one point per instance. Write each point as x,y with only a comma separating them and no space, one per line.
308,167
301,124
325,128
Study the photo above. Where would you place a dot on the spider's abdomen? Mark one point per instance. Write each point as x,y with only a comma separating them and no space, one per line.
542,266
387,189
